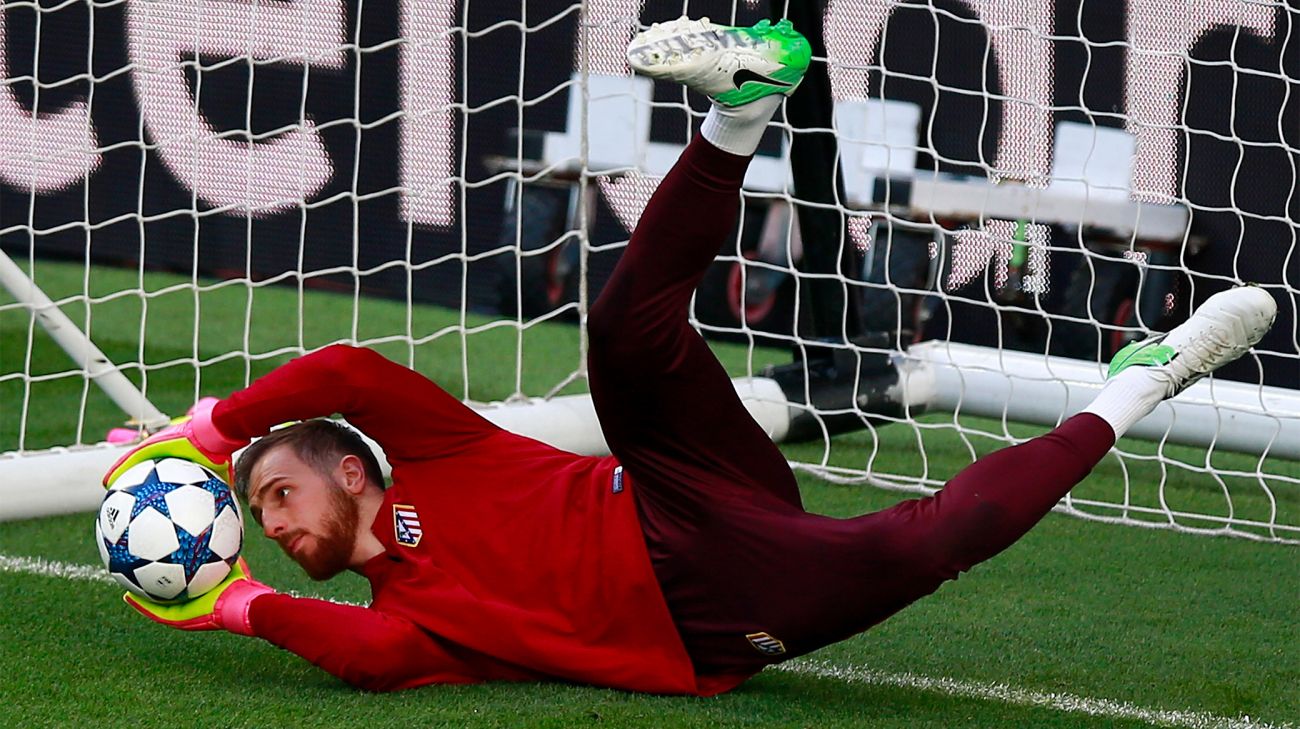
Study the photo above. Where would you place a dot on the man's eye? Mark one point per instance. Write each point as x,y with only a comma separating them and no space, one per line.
283,491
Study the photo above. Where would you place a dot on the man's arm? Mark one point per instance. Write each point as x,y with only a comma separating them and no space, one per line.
402,409
366,648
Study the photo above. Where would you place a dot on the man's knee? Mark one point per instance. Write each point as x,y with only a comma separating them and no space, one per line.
634,337
940,543
615,346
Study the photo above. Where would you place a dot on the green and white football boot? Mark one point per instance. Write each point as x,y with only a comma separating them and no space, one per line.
1218,332
731,65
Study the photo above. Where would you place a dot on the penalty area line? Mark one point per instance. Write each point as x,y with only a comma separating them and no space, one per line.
1002,693
995,692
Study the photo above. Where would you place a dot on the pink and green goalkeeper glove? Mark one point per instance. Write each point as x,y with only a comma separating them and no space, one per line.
225,607
193,438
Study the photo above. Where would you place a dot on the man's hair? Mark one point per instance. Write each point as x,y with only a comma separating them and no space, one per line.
320,444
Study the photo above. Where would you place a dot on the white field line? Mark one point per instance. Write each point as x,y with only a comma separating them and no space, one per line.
89,573
47,568
1002,693
995,692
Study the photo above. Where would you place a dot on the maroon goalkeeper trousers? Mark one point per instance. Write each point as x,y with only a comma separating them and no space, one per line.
750,578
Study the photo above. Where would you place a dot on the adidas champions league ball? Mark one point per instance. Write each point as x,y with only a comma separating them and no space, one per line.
169,529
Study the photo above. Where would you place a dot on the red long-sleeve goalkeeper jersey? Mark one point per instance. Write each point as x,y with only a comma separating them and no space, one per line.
504,558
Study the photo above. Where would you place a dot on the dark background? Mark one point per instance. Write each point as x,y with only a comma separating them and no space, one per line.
1089,68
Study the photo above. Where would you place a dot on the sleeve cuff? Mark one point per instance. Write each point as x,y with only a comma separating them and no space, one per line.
234,607
206,433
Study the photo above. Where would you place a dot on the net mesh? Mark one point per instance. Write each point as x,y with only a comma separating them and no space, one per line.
207,188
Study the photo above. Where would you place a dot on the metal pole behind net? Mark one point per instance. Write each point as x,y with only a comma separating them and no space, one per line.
827,304
83,352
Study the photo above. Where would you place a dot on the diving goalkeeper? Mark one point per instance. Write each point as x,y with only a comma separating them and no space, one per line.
682,564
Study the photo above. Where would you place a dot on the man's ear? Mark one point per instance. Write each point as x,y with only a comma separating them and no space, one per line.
353,471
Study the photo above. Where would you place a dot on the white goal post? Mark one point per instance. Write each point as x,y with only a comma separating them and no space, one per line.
192,191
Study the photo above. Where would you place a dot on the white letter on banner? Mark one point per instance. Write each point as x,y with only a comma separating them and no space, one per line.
1020,35
1160,33
603,38
428,127
229,170
47,152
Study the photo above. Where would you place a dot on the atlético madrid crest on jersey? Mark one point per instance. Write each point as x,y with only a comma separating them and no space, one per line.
406,525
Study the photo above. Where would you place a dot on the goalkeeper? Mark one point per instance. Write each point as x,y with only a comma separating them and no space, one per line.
682,564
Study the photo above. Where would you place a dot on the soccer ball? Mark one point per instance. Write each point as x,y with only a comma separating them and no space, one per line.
169,530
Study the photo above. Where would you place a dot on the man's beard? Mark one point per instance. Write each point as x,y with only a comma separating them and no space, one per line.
331,550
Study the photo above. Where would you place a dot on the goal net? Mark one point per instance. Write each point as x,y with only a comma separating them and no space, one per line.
949,229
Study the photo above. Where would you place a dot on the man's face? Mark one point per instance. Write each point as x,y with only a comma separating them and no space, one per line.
312,517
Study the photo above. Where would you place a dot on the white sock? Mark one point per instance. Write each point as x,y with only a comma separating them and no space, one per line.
739,129
1127,398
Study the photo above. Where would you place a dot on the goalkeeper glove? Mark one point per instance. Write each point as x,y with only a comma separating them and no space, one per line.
193,438
225,607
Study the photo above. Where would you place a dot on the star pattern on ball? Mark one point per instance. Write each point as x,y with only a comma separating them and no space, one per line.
182,532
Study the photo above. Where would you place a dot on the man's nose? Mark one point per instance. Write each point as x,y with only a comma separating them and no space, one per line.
272,525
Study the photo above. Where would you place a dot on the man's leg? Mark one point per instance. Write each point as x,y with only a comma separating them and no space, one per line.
666,406
839,577
914,546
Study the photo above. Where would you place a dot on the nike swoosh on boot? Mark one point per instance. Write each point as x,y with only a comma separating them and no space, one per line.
745,75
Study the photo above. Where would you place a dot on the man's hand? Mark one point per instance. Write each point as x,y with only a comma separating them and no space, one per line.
225,607
193,438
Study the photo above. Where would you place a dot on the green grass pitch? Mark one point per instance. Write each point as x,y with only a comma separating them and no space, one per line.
1080,624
